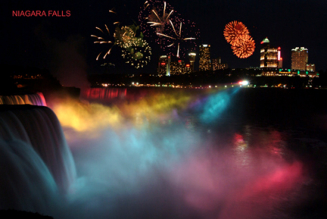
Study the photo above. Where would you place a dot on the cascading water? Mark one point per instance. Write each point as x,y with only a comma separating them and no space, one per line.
31,99
37,164
13,100
37,99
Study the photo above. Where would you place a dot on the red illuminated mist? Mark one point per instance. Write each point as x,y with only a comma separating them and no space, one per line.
224,185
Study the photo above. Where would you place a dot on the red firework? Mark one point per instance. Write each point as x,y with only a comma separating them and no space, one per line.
244,47
234,30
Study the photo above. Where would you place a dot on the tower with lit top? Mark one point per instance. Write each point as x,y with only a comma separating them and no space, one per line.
299,58
164,65
192,56
268,58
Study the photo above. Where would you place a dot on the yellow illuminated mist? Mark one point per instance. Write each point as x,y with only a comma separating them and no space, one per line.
86,117
156,105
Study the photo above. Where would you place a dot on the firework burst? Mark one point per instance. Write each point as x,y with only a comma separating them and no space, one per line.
181,37
123,36
113,11
244,47
238,35
234,30
107,38
137,52
154,18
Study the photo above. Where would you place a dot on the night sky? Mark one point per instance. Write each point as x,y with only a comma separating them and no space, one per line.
55,43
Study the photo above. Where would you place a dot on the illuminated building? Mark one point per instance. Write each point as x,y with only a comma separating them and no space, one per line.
299,58
289,72
310,67
268,58
179,67
205,62
279,58
192,56
176,67
164,65
188,68
217,65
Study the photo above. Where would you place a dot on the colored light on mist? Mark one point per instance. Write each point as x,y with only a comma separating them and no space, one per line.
86,117
215,106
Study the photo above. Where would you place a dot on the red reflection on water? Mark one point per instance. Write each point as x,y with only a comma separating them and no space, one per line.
262,195
214,183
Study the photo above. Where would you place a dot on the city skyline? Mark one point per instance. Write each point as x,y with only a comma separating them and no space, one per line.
36,40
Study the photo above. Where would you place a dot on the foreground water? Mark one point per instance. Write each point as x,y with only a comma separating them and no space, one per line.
235,153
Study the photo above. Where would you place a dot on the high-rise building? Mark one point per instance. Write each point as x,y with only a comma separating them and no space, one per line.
192,56
164,65
179,67
205,62
217,65
299,58
268,58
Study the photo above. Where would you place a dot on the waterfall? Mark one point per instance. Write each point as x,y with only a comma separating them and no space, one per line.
104,93
36,162
31,99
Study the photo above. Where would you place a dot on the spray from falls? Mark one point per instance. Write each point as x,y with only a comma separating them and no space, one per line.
150,158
